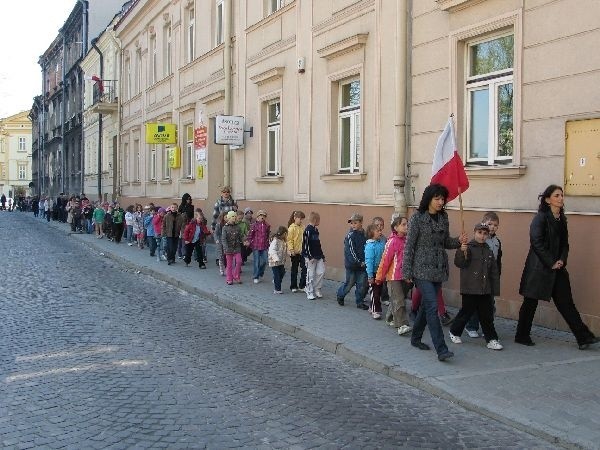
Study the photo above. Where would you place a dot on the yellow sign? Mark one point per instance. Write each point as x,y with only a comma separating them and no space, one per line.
161,133
199,172
175,157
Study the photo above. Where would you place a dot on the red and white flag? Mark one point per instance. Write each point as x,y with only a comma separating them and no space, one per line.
448,169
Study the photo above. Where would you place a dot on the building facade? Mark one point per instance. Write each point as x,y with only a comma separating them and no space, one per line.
15,155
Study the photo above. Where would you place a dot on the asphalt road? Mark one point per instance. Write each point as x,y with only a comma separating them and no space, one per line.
93,355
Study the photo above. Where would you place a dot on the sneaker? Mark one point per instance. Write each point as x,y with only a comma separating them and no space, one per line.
376,315
403,330
473,333
362,306
494,345
318,294
277,292
390,323
446,319
294,290
203,266
130,244
163,258
222,272
445,355
256,281
311,297
238,281
385,303
340,301
455,339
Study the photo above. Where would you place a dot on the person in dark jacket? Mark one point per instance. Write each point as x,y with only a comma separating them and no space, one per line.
354,262
186,209
479,282
426,263
545,273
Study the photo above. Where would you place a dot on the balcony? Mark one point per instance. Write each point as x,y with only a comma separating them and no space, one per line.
105,100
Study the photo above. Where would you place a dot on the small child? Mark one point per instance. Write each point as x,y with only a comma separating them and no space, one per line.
390,268
479,282
277,253
245,224
354,262
192,235
108,222
373,252
313,257
493,222
380,223
98,218
231,239
149,230
258,240
157,222
294,244
201,247
138,225
219,224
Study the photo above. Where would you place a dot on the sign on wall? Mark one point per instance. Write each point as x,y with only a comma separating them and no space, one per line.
175,157
161,133
229,130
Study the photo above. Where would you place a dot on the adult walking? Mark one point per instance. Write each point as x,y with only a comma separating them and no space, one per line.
425,263
224,204
186,209
545,273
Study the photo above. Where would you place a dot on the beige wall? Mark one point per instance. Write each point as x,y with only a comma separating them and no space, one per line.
554,81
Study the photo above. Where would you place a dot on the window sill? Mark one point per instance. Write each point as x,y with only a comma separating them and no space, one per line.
165,182
455,5
499,172
135,183
344,177
275,179
186,180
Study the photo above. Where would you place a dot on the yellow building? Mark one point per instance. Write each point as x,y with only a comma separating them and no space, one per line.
15,155
346,99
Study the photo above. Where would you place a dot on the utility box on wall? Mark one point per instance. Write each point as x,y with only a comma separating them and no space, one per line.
582,157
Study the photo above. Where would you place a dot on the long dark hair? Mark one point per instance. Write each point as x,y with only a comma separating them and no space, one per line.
431,191
547,194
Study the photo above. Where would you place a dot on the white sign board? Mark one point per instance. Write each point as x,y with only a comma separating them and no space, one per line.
229,130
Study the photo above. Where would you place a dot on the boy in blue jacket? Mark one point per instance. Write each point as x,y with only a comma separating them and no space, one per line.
354,262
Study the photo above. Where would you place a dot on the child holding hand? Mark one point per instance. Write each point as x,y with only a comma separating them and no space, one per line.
276,257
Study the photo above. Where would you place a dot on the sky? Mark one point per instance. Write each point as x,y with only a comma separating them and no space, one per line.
28,29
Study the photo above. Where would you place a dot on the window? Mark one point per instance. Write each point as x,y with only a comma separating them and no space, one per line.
152,162
168,43
22,144
273,136
22,171
274,5
219,22
166,167
136,160
489,93
125,162
153,60
188,163
128,78
138,72
190,35
349,126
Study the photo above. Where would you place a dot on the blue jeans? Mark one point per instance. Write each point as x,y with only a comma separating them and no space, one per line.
152,245
259,263
428,315
357,278
129,234
278,274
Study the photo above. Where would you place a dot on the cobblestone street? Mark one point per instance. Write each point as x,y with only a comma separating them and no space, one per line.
95,355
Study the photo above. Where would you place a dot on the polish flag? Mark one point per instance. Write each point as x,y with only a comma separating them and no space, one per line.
448,169
99,83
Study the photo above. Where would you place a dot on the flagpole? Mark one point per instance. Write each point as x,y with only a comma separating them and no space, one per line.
460,202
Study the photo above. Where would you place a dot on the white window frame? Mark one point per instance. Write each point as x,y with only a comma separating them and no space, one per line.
22,171
189,161
126,161
165,163
168,43
190,35
353,113
274,5
152,162
138,72
273,129
128,93
153,60
22,144
492,82
136,160
219,22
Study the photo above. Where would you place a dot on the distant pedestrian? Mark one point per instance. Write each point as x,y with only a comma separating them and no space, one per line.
545,273
171,229
118,219
313,257
277,255
98,217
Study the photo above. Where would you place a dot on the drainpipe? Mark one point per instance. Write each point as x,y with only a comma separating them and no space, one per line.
94,41
403,93
227,16
116,174
63,165
84,45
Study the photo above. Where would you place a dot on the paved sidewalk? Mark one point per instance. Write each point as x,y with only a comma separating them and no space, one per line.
550,390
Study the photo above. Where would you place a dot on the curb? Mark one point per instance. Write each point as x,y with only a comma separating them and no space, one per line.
337,348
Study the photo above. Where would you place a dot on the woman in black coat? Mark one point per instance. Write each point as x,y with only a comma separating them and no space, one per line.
545,275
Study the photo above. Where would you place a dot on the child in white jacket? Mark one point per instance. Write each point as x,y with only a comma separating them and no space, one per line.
276,256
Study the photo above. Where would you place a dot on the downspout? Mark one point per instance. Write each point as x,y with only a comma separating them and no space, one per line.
227,17
84,5
116,182
403,93
100,137
63,165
